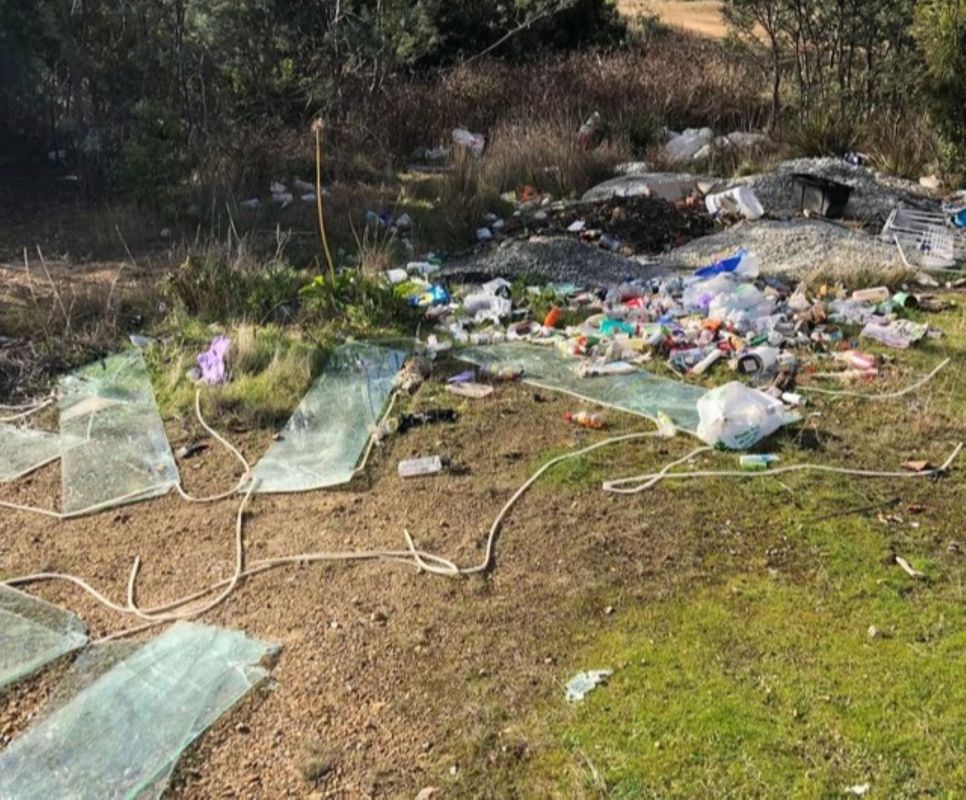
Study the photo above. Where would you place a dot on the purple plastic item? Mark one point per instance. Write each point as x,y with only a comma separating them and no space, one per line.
212,361
463,377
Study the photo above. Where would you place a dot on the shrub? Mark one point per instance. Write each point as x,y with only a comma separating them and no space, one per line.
941,32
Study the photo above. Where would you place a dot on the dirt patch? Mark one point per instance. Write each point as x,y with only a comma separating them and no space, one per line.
386,673
703,17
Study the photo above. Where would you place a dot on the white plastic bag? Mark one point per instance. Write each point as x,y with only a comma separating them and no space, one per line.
737,417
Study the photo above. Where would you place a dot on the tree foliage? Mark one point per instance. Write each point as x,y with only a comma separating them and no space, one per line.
848,57
940,30
131,88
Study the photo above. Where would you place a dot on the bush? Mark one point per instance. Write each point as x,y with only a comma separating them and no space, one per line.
219,284
940,30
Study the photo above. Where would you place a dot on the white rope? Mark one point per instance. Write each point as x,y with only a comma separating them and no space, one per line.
28,411
242,481
883,396
428,562
638,483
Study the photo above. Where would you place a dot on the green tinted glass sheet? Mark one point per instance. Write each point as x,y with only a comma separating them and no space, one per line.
114,446
22,450
323,440
121,736
636,393
33,633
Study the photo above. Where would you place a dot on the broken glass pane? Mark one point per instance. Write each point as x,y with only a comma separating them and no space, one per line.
33,633
121,736
22,450
637,392
322,442
114,446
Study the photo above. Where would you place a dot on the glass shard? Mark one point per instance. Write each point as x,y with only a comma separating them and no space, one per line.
114,446
121,736
22,450
637,392
323,440
33,633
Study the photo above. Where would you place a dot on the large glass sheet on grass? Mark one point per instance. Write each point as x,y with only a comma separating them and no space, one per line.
323,440
22,450
121,736
636,393
114,446
33,633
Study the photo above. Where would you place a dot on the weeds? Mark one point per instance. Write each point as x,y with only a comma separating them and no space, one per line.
900,144
222,282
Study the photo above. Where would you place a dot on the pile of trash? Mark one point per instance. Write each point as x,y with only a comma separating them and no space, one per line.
771,334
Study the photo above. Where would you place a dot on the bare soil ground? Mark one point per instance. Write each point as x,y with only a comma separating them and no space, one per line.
386,674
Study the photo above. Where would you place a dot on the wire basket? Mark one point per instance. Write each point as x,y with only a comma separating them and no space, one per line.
925,240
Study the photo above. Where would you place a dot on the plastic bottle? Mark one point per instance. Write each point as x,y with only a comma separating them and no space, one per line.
510,373
877,294
554,315
705,363
585,419
415,467
757,462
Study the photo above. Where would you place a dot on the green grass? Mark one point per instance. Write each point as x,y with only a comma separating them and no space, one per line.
271,367
752,673
766,688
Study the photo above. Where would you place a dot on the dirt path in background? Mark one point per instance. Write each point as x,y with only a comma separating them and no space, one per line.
388,678
697,16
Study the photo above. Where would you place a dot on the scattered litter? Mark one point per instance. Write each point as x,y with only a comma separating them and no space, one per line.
897,333
122,735
822,196
474,142
212,362
859,790
429,417
757,461
586,419
581,684
686,145
33,633
471,390
462,377
878,294
592,132
189,450
740,201
413,374
917,466
737,417
909,569
417,467
141,342
925,239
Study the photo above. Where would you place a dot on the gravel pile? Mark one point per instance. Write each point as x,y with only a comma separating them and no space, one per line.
789,247
670,186
873,195
552,258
